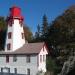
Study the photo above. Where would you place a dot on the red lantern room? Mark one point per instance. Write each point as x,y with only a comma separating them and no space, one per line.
15,12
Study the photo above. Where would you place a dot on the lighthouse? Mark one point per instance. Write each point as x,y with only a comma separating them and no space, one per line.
15,34
19,57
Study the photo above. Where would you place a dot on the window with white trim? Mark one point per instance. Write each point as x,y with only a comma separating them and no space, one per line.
40,58
28,71
7,58
28,58
8,46
9,35
44,58
14,58
22,34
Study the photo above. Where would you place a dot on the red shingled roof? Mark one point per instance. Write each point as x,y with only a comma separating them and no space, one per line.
30,48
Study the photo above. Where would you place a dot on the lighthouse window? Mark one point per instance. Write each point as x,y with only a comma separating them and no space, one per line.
10,23
8,46
20,22
22,35
9,35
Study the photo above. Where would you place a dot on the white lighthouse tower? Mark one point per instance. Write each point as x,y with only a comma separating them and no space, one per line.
15,34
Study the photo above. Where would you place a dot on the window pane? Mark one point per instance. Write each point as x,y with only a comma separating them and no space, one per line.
40,58
11,22
15,69
7,58
21,23
8,46
43,57
9,35
22,35
28,58
14,58
28,71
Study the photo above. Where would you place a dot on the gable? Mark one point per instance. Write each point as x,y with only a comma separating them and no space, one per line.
44,50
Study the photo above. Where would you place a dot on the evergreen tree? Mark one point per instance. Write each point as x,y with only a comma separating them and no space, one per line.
37,34
44,26
38,30
3,29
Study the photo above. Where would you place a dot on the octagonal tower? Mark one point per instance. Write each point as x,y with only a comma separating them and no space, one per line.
15,34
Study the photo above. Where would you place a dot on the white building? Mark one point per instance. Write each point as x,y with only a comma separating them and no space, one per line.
20,57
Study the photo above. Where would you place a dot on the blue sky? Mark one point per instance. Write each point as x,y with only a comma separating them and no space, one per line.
33,10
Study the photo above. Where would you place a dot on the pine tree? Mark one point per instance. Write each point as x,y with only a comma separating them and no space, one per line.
37,34
44,26
38,31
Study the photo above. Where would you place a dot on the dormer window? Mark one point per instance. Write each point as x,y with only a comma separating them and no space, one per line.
9,35
8,46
